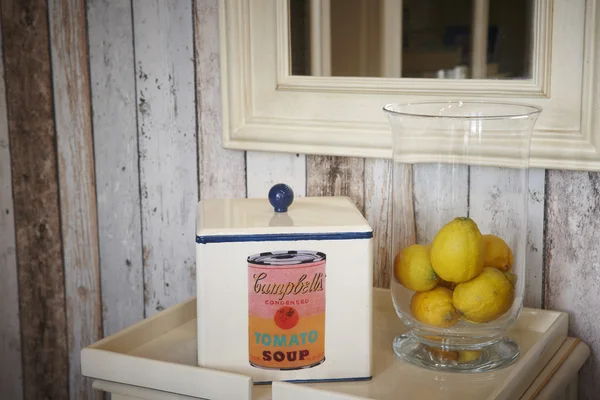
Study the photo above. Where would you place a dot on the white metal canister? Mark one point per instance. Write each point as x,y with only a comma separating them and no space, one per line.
284,290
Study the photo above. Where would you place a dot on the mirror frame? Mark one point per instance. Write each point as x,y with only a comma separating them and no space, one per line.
267,109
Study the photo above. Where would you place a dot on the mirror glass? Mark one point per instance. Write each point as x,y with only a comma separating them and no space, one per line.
438,39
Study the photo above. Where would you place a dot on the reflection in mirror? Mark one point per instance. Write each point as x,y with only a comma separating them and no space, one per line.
452,39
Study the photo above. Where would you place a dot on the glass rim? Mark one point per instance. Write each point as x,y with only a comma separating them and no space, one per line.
528,110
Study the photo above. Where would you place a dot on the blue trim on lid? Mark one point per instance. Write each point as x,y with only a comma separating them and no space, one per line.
281,237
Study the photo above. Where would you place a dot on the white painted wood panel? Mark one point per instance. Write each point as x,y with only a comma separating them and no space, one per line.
76,176
222,172
112,75
163,37
440,194
11,376
378,211
535,239
572,262
266,169
497,205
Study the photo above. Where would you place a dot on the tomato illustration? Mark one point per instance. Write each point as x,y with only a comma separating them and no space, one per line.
286,317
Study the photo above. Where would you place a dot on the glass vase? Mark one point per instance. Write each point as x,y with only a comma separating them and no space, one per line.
459,230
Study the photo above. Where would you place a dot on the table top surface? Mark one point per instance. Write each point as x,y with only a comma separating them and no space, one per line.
555,377
160,353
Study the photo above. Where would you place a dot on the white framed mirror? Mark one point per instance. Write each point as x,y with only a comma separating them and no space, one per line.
273,102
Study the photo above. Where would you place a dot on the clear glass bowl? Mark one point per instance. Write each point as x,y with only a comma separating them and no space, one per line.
459,230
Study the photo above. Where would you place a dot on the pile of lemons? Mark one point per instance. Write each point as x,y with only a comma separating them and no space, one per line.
461,274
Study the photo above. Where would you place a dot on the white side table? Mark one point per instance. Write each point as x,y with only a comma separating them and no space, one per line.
557,381
156,359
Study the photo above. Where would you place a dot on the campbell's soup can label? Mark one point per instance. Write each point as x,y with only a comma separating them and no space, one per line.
286,309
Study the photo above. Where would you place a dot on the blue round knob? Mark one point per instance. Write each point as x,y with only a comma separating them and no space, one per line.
281,197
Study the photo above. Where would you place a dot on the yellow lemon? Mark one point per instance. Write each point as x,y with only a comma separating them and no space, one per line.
511,277
434,307
413,270
485,297
457,251
444,355
461,356
497,253
468,356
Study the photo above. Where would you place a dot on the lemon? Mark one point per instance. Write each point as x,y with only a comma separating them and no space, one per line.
511,277
497,253
457,251
461,356
434,307
444,355
413,270
485,297
468,356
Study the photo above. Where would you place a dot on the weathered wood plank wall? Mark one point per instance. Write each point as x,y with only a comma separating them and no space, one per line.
222,173
404,226
572,261
164,66
266,169
76,180
11,377
440,194
33,159
336,176
113,98
135,144
378,207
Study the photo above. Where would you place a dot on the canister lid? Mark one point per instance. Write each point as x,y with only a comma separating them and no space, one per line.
223,220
